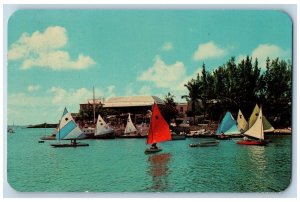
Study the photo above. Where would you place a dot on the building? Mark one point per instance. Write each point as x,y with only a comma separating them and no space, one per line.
89,104
132,104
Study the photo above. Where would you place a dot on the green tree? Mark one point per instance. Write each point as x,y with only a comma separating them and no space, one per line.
169,110
194,89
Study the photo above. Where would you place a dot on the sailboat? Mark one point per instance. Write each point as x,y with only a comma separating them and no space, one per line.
227,127
256,131
242,124
103,130
68,130
52,136
11,129
130,129
159,130
268,128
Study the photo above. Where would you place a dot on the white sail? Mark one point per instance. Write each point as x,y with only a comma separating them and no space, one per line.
241,121
256,130
130,128
101,127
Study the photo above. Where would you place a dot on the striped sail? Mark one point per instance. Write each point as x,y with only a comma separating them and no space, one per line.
256,130
101,127
130,128
227,125
241,121
68,129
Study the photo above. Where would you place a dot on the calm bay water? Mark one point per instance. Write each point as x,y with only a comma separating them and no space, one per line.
120,165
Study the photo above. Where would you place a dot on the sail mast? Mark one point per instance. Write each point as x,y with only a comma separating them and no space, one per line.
94,103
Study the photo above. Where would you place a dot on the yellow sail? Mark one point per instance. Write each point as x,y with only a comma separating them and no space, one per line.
256,130
266,125
241,121
253,116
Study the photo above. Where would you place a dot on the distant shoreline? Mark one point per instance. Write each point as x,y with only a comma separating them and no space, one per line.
43,125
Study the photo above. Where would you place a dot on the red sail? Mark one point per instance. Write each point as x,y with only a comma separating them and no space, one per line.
159,129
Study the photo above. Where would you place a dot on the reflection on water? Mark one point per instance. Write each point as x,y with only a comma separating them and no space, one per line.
258,158
159,171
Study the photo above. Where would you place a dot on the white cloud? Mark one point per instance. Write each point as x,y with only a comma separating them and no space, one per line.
62,96
169,78
262,51
32,88
163,75
268,50
45,50
167,46
209,50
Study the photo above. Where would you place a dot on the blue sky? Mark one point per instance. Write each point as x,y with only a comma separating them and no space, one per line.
55,57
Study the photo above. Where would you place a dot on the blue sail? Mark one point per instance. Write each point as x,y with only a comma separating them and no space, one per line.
68,129
228,125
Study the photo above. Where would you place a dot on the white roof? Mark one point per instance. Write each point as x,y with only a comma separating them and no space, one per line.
132,101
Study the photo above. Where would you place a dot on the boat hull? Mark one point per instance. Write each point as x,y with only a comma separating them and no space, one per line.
222,137
178,137
105,136
131,136
252,142
205,144
151,151
69,145
48,137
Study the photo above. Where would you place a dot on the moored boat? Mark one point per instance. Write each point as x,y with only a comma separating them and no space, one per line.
205,144
103,130
180,136
130,129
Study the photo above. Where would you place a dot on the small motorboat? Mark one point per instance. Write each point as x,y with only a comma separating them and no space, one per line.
205,144
70,145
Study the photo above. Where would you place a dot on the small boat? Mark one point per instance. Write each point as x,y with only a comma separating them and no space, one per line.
130,129
227,127
205,144
68,130
180,136
255,131
73,144
152,150
88,132
103,130
49,137
11,129
159,131
267,127
41,141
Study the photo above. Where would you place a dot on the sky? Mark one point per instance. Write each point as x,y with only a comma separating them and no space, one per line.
55,57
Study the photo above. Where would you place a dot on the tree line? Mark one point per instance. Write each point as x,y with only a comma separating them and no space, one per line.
242,85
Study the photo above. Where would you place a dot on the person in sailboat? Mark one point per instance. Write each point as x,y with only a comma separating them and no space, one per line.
245,138
153,146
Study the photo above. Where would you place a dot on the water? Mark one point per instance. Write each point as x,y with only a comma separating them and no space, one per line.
120,165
